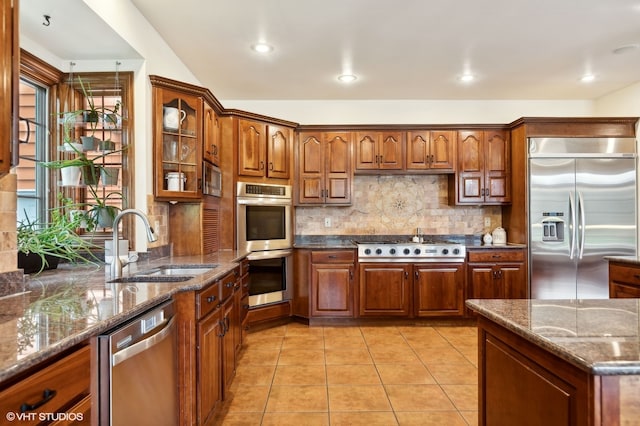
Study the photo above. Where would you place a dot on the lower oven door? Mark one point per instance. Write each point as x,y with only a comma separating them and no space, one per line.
269,276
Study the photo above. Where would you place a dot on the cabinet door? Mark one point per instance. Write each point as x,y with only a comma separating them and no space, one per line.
384,289
310,166
9,73
331,289
251,148
442,150
439,289
623,290
177,145
497,167
391,151
484,282
228,345
338,172
470,167
418,154
278,152
514,281
366,150
208,360
212,129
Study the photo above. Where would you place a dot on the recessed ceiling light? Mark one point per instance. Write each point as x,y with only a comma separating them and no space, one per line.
262,47
347,78
587,78
467,77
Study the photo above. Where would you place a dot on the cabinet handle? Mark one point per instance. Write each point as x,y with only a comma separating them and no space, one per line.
215,149
270,166
262,165
211,299
199,183
332,256
223,332
245,307
229,285
431,158
416,274
47,395
406,275
351,274
496,256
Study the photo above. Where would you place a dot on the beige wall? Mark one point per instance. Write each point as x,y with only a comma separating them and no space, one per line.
391,205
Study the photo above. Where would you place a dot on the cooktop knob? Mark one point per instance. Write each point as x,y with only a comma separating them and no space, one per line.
378,251
392,251
417,251
367,251
445,251
456,251
406,251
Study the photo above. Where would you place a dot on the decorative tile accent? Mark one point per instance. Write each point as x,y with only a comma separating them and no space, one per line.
385,205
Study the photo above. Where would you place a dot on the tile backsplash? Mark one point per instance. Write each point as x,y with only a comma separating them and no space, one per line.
389,204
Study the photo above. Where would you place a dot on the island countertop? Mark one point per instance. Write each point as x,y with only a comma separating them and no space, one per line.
601,337
64,307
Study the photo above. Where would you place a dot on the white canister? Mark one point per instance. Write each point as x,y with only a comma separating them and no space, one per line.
499,236
175,181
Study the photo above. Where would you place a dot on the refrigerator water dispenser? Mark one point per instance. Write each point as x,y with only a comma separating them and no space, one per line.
553,227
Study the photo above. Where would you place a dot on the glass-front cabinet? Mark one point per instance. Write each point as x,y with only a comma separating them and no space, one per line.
177,143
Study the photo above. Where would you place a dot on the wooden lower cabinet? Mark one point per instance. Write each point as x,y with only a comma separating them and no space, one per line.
332,275
497,274
62,386
624,280
209,356
384,289
438,289
208,336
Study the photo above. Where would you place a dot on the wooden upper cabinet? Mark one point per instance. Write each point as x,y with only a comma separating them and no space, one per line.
379,151
212,135
484,168
278,151
431,150
324,174
177,142
9,74
252,147
264,150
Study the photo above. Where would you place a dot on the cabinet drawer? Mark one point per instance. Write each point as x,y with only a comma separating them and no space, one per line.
57,386
624,274
226,285
332,256
208,299
496,256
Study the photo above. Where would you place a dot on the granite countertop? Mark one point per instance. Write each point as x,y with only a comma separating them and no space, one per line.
63,307
601,337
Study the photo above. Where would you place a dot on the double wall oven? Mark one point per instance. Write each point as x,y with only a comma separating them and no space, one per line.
265,229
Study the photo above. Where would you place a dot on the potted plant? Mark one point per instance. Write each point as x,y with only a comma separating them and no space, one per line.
41,245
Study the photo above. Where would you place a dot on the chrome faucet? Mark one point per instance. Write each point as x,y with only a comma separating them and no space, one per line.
116,263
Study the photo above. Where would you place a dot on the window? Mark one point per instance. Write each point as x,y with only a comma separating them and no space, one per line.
32,180
46,93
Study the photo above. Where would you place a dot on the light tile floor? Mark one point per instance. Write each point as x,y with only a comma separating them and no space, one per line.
356,375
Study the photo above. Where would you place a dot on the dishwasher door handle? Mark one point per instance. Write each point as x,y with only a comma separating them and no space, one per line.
142,345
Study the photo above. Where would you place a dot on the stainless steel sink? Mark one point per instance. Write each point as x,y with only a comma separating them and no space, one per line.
177,270
152,279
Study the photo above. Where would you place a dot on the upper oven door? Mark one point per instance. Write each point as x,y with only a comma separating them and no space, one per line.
264,224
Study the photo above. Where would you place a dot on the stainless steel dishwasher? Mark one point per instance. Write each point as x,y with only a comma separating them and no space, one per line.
138,377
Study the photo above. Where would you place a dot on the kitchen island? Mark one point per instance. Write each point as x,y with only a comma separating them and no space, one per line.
558,362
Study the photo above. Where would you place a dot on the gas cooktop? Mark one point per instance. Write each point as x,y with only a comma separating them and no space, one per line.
407,251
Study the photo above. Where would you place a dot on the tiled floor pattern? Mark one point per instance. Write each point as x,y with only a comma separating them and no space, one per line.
356,375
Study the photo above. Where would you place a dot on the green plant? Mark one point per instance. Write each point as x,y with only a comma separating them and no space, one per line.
57,237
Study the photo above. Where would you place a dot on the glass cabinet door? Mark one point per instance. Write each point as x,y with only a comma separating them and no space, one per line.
178,141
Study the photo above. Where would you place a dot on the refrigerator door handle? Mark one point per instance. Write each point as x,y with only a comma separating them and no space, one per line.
572,226
581,225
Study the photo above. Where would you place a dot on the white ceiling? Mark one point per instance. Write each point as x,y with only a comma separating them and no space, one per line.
399,49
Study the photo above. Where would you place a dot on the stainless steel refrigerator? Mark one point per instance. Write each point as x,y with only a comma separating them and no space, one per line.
582,207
